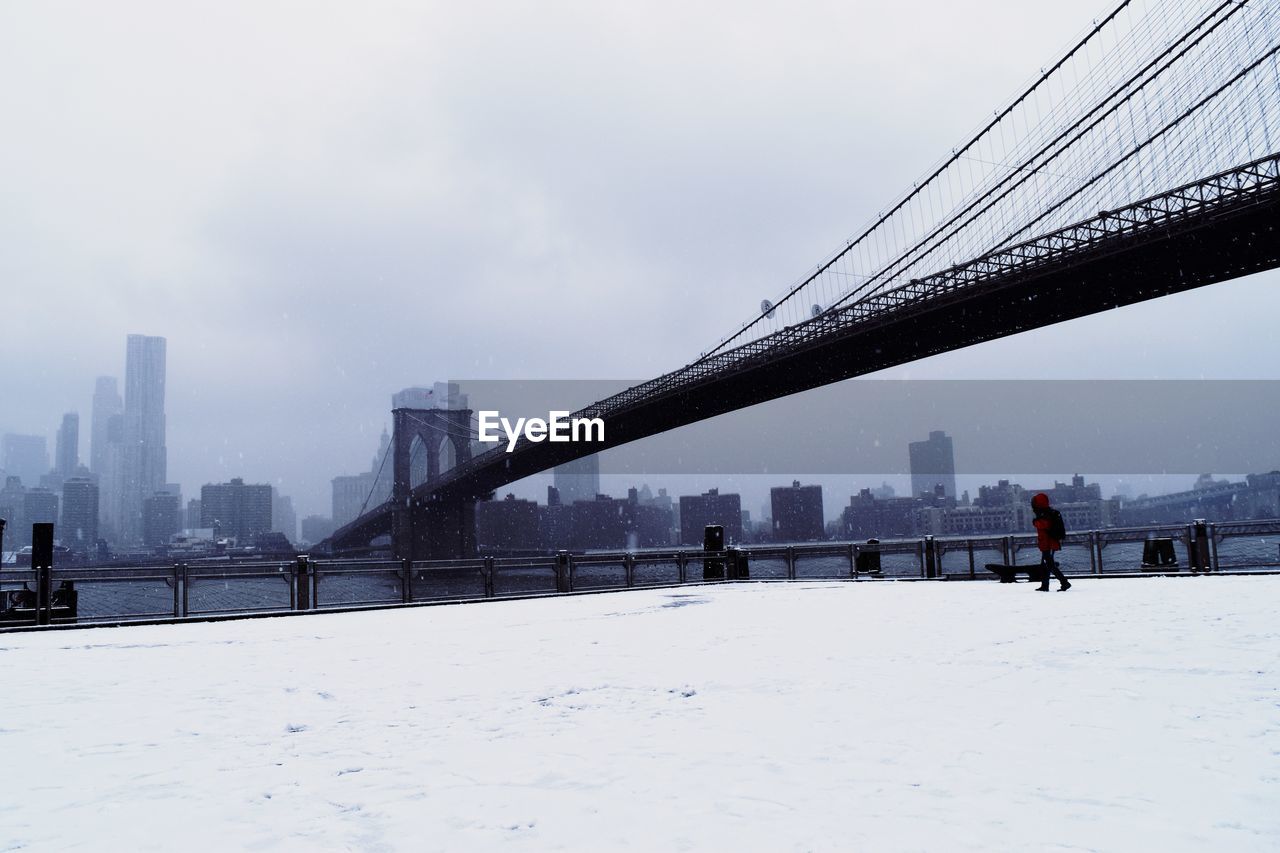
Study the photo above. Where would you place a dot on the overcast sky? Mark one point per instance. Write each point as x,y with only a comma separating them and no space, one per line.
321,203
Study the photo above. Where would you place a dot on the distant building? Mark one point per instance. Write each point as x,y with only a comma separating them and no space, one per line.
316,528
868,517
79,529
192,520
39,506
356,493
236,510
797,513
25,456
67,455
599,524
145,453
1006,508
161,518
111,480
933,462
648,522
711,507
12,506
283,518
106,404
578,480
351,495
508,526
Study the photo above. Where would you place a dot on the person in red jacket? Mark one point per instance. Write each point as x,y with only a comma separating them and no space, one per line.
1049,533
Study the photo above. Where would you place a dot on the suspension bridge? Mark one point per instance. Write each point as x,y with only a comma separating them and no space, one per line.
1144,161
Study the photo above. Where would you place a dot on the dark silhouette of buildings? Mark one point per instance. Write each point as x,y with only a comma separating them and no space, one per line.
509,526
797,513
521,526
868,516
710,507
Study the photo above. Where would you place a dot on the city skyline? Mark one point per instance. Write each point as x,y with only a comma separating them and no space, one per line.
755,488
294,290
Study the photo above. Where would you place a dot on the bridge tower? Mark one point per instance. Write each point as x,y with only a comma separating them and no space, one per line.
425,529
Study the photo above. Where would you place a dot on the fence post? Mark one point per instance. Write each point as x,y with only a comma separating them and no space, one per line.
791,563
1006,550
302,588
930,557
177,591
490,585
629,566
1198,536
853,561
42,563
973,573
406,581
1211,530
680,565
562,572
1092,542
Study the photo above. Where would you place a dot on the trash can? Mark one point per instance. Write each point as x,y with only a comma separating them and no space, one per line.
1157,553
868,559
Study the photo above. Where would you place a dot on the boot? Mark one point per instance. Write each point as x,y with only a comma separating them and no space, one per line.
1044,587
1066,585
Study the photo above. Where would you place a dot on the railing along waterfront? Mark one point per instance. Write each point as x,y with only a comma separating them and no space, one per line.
85,595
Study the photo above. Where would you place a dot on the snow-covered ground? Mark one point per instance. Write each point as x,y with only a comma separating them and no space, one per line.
1123,715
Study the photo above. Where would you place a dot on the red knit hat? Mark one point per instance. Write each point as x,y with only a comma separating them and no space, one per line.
1040,501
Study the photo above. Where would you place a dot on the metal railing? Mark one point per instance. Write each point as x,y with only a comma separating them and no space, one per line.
181,591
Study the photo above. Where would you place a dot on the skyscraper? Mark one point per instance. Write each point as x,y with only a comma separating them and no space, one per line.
111,481
145,456
67,453
933,463
106,403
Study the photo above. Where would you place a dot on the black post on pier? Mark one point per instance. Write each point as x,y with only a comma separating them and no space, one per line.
2,524
930,557
42,565
302,583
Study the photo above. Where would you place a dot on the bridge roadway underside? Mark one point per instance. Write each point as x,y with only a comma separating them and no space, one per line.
1121,269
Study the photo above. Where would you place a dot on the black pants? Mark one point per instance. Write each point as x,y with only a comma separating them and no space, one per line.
1048,564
